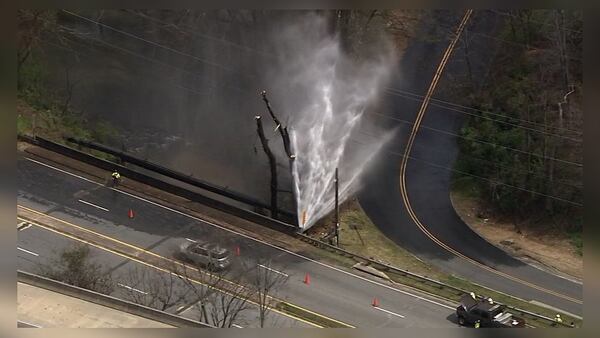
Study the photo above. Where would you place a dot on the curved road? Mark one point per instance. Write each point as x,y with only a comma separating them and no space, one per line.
420,216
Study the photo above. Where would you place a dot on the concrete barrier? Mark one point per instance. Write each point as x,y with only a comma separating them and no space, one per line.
108,301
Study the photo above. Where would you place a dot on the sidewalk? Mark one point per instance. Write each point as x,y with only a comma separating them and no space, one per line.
44,308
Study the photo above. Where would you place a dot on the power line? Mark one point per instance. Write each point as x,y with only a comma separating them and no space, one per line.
477,176
192,90
202,35
127,51
478,140
536,21
389,88
528,46
200,93
528,172
189,55
405,92
151,42
413,97
383,115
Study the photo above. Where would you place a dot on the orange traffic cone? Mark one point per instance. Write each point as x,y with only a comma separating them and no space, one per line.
237,250
130,213
375,302
307,279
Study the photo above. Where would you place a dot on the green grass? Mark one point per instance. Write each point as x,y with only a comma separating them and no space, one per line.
24,124
308,316
577,241
466,186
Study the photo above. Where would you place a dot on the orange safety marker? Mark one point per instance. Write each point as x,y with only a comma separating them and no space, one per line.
307,279
375,302
130,214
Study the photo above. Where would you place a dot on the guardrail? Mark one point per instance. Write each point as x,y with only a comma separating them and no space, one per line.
108,301
125,157
424,279
260,219
160,184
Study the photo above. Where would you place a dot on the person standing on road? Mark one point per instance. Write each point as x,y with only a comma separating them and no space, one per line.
116,178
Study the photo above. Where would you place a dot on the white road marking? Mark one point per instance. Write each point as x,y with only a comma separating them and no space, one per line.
26,323
132,289
180,308
273,270
191,240
24,225
235,325
247,236
388,311
535,302
27,251
93,205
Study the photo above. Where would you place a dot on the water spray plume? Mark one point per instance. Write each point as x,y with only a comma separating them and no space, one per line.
337,91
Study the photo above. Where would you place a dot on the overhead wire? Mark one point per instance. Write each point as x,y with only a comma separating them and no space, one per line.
477,176
393,90
388,88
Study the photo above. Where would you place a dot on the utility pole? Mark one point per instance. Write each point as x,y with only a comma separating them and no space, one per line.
337,211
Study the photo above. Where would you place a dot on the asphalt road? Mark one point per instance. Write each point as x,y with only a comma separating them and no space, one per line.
39,247
337,293
428,185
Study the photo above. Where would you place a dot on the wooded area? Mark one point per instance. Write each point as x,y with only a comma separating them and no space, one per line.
521,149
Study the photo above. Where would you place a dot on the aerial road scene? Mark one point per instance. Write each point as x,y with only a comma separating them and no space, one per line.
369,169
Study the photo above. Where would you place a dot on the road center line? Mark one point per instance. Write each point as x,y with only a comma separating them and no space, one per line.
27,251
247,236
132,289
273,270
93,205
388,311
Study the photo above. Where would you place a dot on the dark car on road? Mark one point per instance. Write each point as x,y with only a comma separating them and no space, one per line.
487,313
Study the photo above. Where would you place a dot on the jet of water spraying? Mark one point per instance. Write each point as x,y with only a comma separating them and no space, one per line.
340,91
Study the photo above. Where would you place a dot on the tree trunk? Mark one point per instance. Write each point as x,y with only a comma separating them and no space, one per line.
272,165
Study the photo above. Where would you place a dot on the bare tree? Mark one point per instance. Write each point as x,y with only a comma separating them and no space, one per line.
154,289
265,281
220,301
31,24
73,266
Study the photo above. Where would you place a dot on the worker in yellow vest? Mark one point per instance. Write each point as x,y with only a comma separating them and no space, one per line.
116,178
